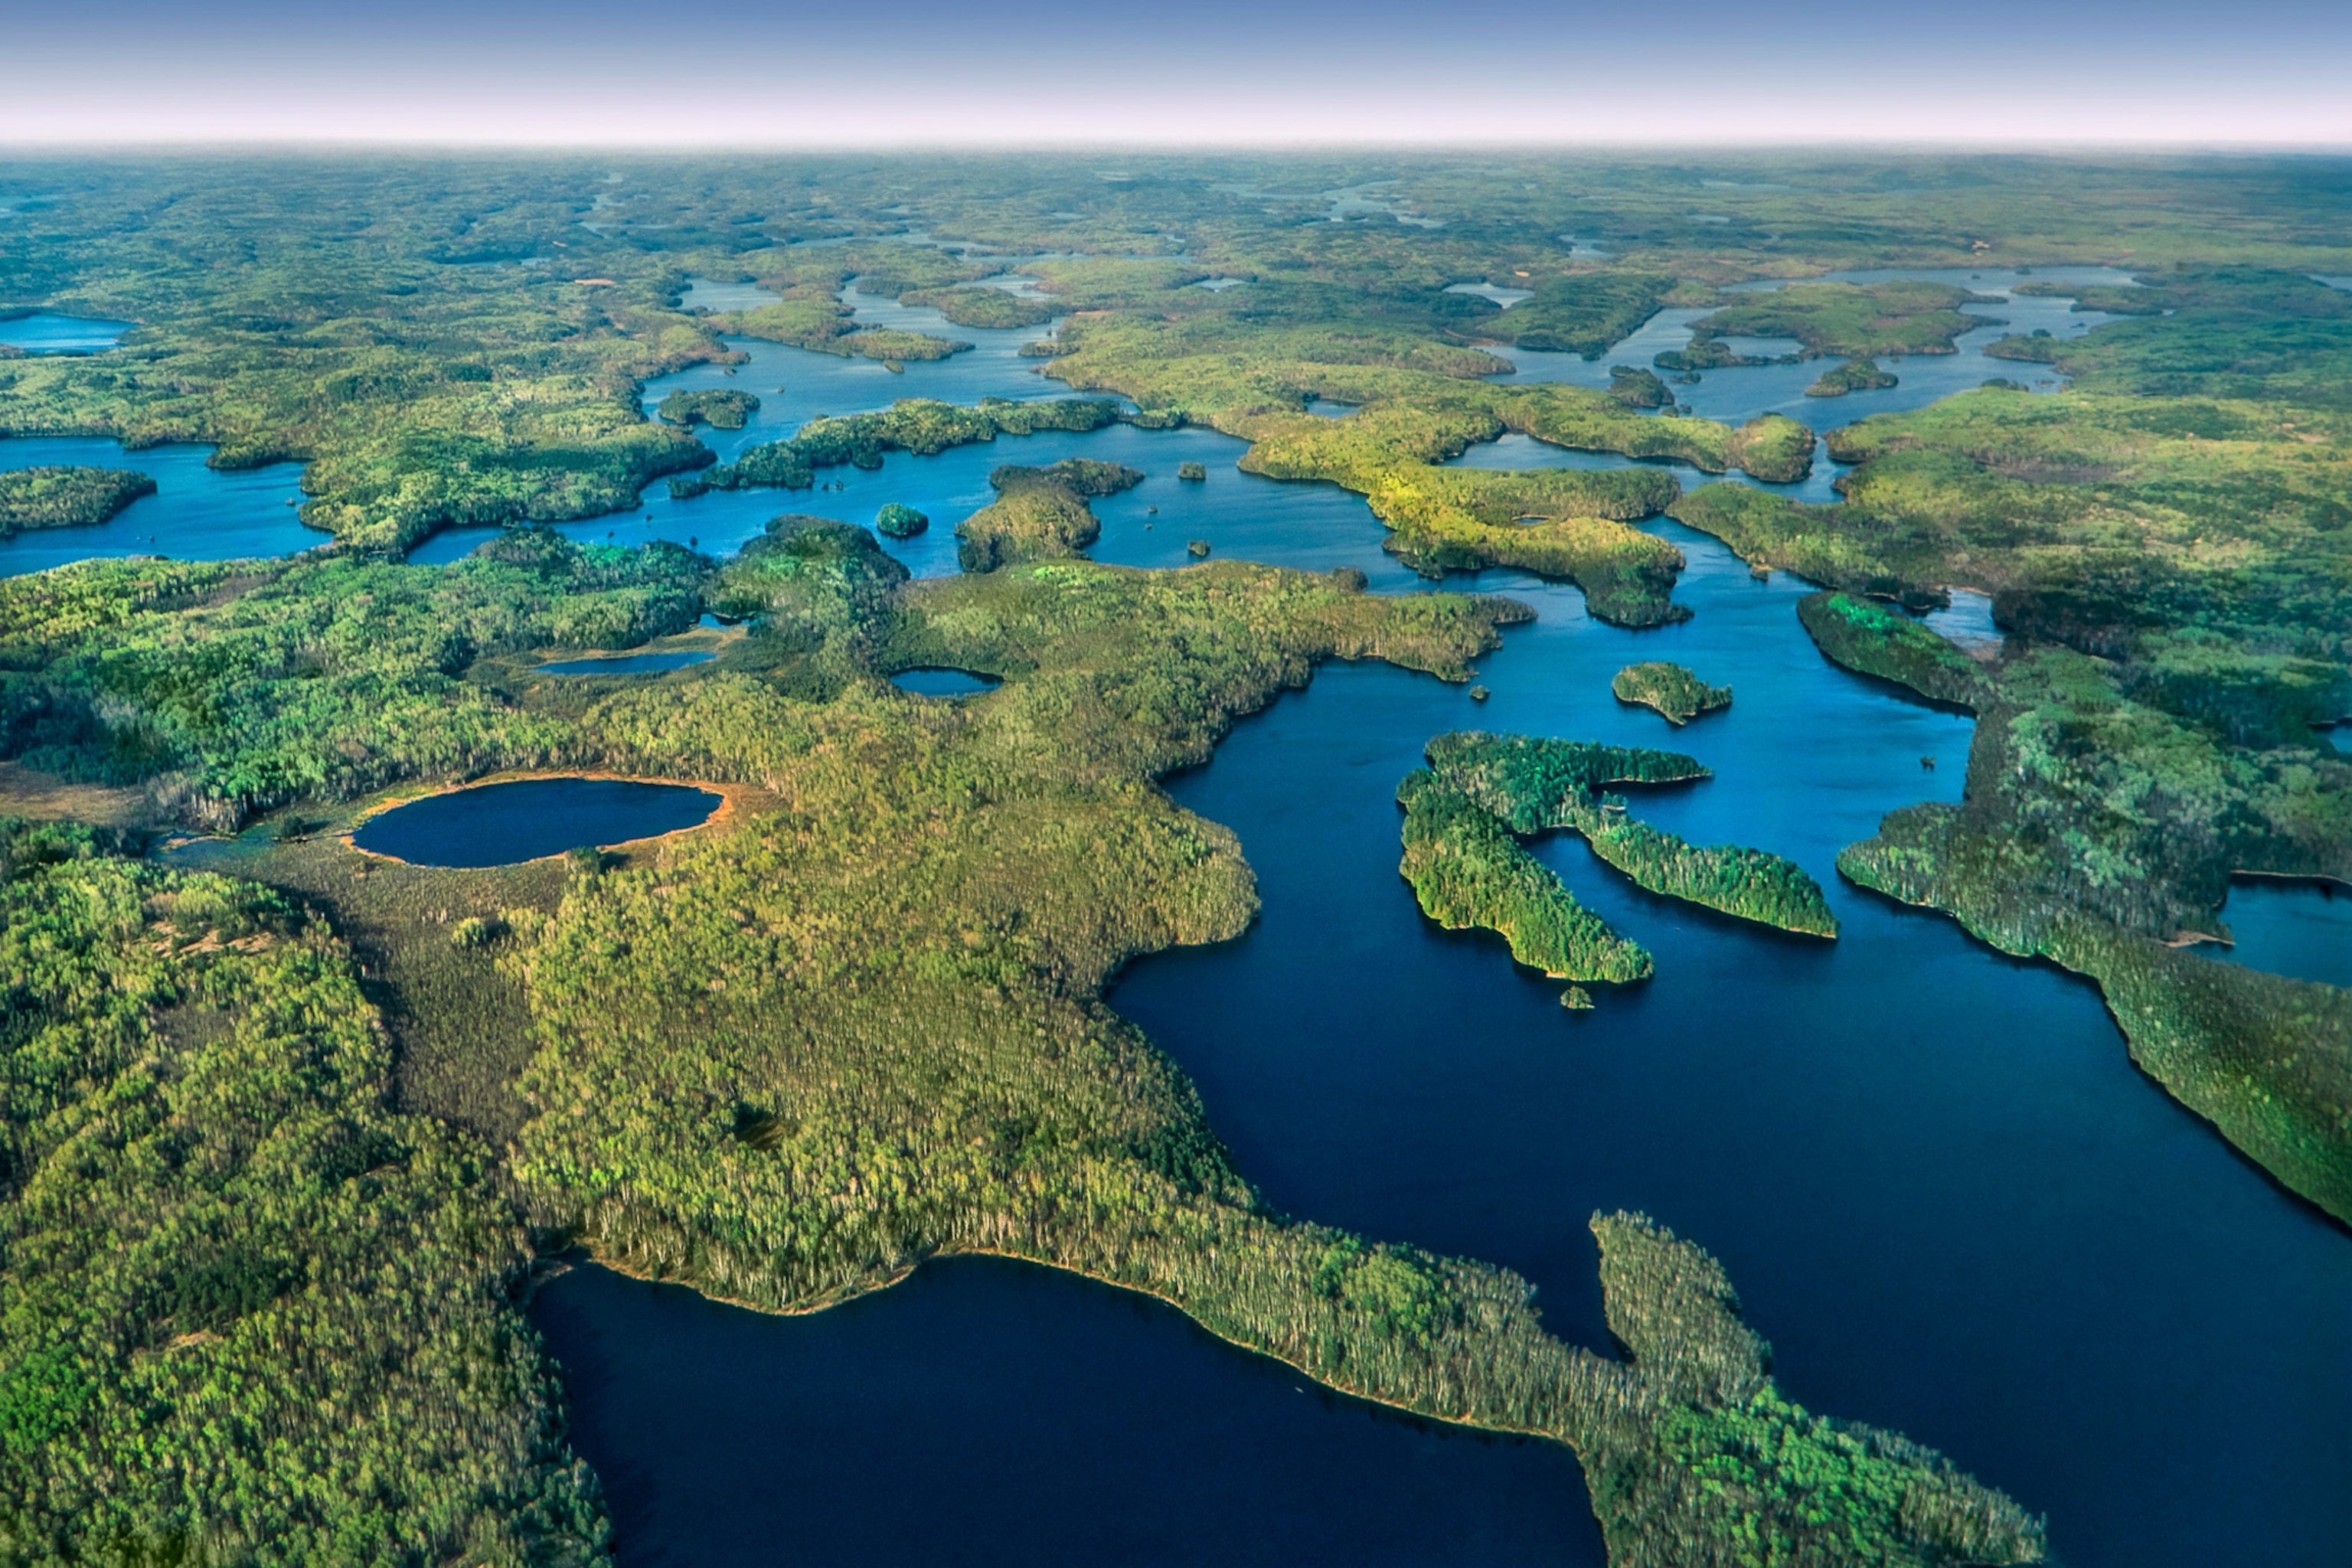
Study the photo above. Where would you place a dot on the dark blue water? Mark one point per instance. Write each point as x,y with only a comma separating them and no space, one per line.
505,824
45,332
988,1413
2301,928
630,663
195,514
1940,1186
943,682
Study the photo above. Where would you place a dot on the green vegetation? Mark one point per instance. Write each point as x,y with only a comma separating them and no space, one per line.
876,987
1581,312
1869,639
922,425
1039,512
899,520
1860,321
1193,472
990,307
1670,689
1855,375
2172,571
723,409
1638,388
247,1312
51,497
1529,785
1468,871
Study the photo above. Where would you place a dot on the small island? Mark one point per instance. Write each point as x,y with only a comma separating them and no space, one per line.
899,520
1638,388
1670,689
60,497
1192,472
719,408
1855,375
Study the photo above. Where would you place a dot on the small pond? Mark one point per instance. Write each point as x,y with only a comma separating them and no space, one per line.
45,332
630,663
944,682
507,824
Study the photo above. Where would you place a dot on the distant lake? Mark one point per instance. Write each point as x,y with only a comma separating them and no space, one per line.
45,332
505,824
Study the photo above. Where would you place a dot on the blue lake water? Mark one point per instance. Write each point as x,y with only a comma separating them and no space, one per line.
2301,928
1315,526
630,663
195,514
943,682
505,824
1006,1415
45,332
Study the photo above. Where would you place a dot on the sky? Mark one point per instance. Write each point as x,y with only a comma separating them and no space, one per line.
1208,72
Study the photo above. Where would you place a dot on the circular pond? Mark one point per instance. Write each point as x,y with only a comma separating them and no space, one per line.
506,824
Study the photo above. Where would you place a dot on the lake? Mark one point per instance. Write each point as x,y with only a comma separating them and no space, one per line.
1938,1183
46,333
524,819
2288,927
195,514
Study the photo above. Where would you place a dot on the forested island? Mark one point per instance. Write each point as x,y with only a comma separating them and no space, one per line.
290,1127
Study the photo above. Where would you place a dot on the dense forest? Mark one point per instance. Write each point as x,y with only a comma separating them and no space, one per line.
285,1135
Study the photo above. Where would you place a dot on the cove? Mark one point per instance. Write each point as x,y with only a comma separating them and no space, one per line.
2288,927
1003,1414
198,513
506,824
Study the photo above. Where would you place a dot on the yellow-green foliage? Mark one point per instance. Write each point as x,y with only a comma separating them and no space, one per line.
247,1312
1038,512
1529,784
1468,872
51,497
726,409
1674,691
1855,375
1858,319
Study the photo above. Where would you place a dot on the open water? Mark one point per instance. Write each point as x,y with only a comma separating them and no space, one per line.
506,824
195,514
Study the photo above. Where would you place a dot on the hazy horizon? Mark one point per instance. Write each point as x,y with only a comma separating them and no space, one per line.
594,74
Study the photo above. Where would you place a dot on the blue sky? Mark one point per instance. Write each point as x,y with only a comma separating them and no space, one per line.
917,71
